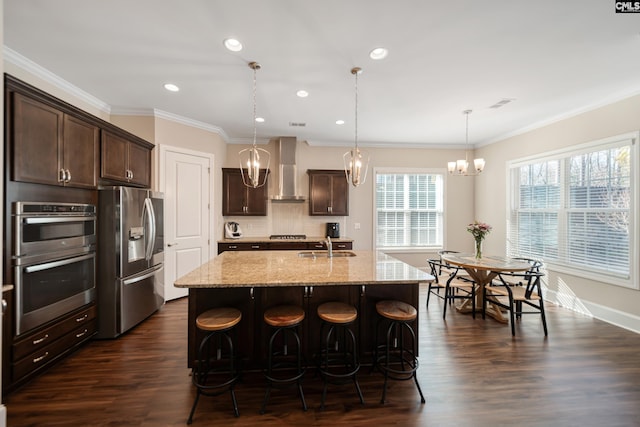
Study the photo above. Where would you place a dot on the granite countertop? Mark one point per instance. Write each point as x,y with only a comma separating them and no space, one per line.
286,268
268,239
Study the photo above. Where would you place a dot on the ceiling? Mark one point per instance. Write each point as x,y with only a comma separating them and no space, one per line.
552,58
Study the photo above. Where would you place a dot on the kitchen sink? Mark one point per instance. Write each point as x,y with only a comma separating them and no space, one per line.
325,254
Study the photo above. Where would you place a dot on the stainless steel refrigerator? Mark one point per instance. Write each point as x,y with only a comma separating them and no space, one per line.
130,258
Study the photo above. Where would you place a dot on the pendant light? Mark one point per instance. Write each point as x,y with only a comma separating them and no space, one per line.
250,157
355,168
460,167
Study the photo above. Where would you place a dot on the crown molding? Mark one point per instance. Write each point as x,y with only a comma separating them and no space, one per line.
42,73
160,114
26,64
380,144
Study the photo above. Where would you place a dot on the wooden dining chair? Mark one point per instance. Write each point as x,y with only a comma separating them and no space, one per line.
519,293
453,285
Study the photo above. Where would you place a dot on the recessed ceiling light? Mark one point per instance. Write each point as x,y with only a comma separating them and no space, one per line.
259,119
171,87
302,93
378,53
233,45
339,122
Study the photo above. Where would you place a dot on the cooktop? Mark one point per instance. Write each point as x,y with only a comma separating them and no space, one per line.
288,236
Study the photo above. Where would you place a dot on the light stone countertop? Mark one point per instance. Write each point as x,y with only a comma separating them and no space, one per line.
286,268
308,239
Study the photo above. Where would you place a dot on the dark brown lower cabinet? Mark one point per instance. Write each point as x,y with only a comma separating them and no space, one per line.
244,299
252,333
280,246
33,352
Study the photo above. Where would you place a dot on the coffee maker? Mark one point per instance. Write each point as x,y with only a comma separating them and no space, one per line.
333,229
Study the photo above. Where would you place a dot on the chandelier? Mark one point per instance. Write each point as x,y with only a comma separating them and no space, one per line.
460,167
250,157
355,166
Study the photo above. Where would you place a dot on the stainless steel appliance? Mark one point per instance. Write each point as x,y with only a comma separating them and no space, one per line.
54,260
333,229
288,236
232,230
131,258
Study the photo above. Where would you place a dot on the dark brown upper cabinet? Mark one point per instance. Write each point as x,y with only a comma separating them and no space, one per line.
52,147
238,199
125,161
328,192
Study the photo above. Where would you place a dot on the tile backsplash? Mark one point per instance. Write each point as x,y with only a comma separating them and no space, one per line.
286,218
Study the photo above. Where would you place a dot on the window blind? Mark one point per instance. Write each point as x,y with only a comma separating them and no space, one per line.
575,209
409,209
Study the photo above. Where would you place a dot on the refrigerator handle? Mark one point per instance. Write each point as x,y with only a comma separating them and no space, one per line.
151,218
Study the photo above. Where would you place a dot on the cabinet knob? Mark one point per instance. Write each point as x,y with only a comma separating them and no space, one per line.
172,244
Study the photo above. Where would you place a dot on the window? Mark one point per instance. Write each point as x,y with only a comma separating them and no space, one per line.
575,209
409,209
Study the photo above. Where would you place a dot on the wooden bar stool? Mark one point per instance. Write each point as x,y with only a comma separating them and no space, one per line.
284,320
338,355
398,361
216,369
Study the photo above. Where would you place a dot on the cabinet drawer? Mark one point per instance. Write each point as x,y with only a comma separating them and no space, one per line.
287,246
46,336
335,245
343,245
255,246
46,354
316,245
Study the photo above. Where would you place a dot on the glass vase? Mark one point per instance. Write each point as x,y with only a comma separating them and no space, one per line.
478,248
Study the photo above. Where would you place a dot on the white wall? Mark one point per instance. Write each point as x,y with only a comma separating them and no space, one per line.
3,410
609,302
458,194
467,198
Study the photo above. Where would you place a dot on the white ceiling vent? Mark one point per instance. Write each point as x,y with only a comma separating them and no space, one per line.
297,124
502,102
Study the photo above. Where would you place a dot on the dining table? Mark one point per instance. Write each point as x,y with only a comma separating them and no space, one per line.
482,271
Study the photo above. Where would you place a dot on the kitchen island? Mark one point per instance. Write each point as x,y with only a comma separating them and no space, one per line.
256,280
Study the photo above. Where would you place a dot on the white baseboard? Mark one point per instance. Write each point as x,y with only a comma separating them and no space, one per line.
600,312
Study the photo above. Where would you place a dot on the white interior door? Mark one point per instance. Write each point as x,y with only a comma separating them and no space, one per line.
186,184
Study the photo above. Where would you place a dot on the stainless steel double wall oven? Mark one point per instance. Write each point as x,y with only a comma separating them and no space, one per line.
54,260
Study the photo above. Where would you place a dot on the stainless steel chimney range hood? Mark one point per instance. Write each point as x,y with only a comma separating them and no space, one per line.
287,172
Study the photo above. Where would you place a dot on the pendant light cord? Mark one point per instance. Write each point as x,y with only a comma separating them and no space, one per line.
355,71
356,122
255,67
255,130
466,137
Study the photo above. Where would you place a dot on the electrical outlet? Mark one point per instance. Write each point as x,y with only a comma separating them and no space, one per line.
356,225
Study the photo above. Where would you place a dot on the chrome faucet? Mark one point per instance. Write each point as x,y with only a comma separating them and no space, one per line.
329,246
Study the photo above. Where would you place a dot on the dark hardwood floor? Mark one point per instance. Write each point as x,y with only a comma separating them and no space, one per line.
586,373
